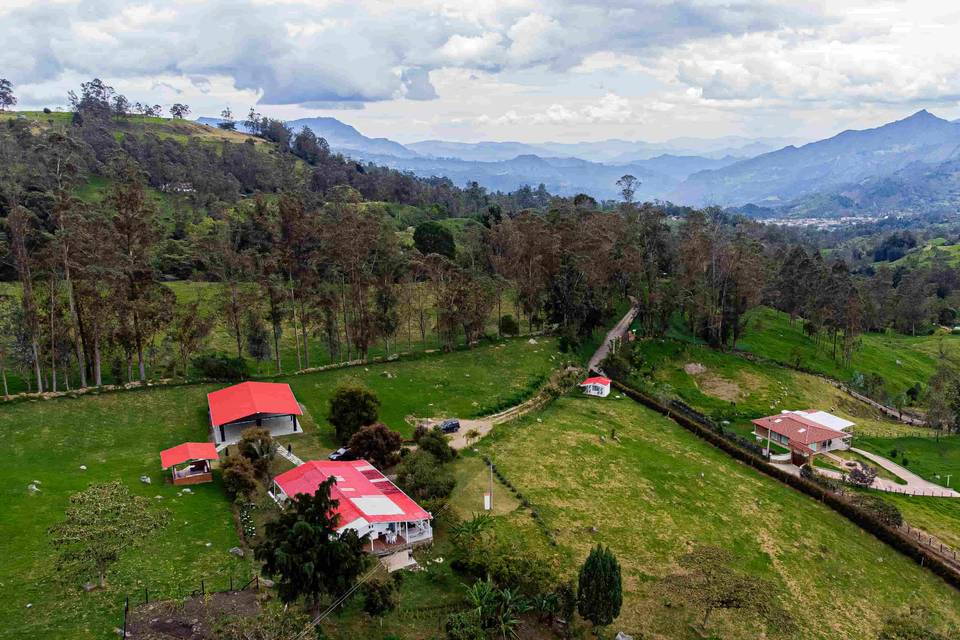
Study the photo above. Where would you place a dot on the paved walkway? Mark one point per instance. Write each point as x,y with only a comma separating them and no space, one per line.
282,450
618,331
915,484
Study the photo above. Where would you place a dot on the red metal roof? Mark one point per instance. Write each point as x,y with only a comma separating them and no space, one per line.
362,491
188,451
798,429
596,380
249,399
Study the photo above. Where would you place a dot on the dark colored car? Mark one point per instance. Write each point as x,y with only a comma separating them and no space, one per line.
450,426
343,453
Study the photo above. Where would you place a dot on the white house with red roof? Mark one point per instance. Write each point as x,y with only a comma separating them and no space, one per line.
368,503
804,433
270,405
596,386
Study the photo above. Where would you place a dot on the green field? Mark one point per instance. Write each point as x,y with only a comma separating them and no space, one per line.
727,387
119,436
900,360
661,489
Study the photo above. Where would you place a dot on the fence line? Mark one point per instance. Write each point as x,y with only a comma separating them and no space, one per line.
253,582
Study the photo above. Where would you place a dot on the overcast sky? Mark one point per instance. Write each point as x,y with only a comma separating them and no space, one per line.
524,70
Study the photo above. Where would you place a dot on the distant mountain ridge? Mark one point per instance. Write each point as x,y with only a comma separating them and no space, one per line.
781,177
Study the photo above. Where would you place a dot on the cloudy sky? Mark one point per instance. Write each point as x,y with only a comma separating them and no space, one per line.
527,70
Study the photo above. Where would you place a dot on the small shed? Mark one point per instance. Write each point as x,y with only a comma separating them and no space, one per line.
270,405
596,386
190,462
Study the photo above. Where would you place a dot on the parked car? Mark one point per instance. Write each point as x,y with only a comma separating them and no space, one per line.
450,426
343,453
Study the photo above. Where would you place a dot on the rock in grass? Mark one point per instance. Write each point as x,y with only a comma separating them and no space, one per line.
267,582
89,586
32,488
237,551
83,467
622,636
145,479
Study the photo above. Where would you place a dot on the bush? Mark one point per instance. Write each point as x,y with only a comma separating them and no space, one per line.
885,512
256,445
377,444
423,477
617,366
509,326
379,597
220,366
352,406
435,443
239,476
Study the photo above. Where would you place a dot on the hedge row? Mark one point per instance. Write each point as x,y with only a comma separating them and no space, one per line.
861,517
524,502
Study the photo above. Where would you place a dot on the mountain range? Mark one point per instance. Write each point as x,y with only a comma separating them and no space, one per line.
904,167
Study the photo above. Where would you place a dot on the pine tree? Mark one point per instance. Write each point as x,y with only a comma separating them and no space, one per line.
600,592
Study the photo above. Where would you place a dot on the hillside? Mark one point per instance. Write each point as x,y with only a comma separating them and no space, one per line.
660,490
782,176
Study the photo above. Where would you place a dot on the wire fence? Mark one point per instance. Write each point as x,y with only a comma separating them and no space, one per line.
218,584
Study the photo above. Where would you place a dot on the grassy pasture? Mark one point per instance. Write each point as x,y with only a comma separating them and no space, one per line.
660,489
119,436
901,360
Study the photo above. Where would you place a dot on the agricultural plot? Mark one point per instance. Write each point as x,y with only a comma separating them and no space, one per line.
659,489
900,360
119,436
727,387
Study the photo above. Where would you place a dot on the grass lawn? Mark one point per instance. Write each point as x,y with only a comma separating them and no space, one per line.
461,384
937,516
727,387
661,489
926,456
119,436
901,360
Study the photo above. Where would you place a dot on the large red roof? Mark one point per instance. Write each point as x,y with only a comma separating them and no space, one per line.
249,399
363,492
596,380
188,451
798,429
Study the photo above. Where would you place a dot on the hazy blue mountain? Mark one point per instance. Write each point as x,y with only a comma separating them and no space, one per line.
340,136
561,175
781,177
343,137
479,151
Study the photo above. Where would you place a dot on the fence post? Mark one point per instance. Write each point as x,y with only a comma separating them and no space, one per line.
203,590
146,596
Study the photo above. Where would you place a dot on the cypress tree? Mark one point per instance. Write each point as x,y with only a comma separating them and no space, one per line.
600,592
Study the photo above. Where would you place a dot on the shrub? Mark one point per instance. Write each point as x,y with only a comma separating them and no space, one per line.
256,445
377,444
379,597
422,477
220,366
509,326
435,443
239,476
885,512
352,406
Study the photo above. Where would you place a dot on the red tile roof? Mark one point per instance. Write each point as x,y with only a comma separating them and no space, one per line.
188,451
798,429
362,491
596,380
249,399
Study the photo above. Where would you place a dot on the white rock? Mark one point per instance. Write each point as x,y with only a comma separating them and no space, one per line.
187,490
209,544
237,551
622,636
32,488
83,467
531,341
145,479
29,605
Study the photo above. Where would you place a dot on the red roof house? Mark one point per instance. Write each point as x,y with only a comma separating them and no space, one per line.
368,502
596,386
802,435
197,455
263,404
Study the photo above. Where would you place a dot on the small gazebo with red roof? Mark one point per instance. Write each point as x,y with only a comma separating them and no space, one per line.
196,456
270,405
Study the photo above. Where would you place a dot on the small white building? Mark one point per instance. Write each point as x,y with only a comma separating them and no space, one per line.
368,503
596,386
